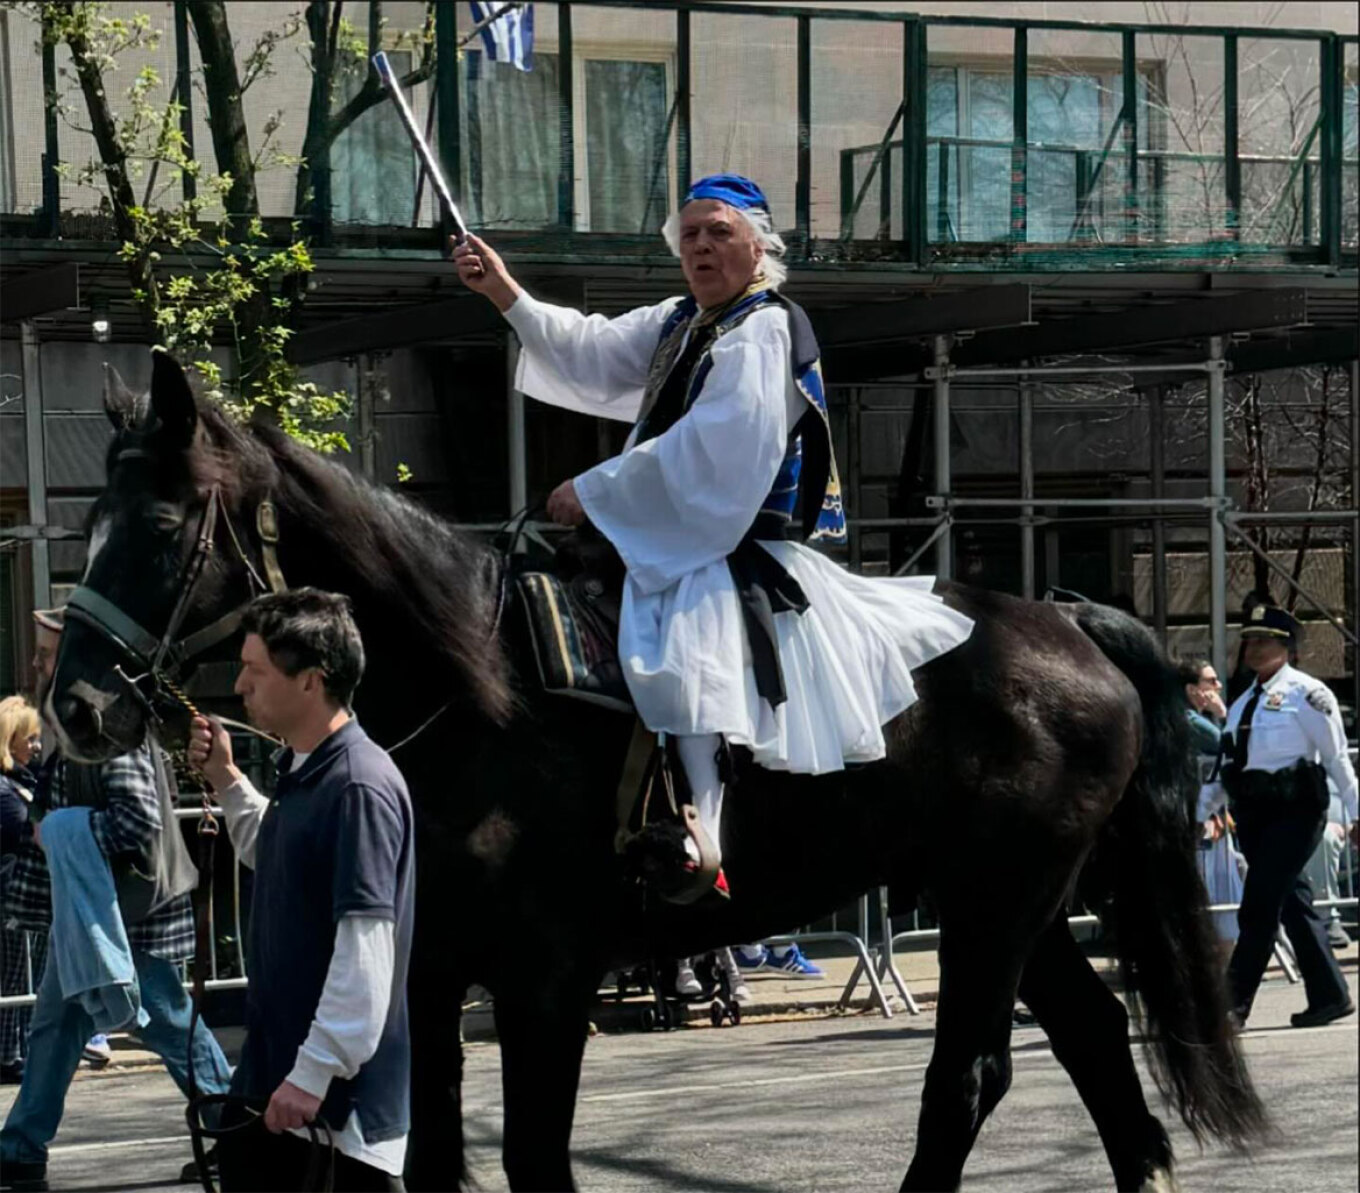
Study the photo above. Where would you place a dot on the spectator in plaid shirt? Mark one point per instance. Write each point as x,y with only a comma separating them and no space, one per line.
126,820
20,740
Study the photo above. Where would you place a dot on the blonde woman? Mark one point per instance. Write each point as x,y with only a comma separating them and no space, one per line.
20,737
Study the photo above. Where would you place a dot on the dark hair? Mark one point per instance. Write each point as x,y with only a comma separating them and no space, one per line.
1124,602
1189,670
305,627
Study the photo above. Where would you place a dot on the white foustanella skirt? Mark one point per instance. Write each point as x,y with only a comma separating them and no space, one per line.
847,660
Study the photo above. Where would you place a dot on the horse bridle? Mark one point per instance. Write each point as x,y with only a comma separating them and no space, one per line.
159,660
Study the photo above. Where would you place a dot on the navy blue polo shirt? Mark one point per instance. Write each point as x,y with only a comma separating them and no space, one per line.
335,839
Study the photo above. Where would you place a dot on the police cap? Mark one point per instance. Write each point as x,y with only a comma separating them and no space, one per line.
1269,621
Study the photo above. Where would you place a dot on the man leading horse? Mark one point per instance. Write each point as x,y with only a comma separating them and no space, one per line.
731,633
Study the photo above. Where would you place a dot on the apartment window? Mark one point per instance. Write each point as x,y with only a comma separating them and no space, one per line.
7,196
969,129
622,169
1350,168
373,171
512,143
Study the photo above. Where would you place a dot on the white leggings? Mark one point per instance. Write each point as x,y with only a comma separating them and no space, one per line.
699,757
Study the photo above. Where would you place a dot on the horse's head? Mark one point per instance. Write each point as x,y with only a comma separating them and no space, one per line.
152,577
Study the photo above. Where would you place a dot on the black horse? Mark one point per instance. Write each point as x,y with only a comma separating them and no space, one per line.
1051,744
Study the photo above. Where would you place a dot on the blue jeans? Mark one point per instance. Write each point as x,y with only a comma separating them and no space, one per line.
58,1034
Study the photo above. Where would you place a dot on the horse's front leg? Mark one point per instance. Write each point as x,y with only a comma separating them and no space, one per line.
542,1028
436,1157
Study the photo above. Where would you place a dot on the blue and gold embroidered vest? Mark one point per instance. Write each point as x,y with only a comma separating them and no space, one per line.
680,366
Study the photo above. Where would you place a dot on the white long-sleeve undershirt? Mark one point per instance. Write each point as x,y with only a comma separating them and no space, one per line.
347,1026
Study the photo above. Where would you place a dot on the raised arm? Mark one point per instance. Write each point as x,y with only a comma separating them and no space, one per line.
586,363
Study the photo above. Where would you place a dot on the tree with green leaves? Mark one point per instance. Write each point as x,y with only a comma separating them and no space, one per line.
202,265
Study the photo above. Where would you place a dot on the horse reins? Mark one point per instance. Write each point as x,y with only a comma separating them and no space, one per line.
502,561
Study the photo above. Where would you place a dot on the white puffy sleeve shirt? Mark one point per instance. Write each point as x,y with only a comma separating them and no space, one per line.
586,363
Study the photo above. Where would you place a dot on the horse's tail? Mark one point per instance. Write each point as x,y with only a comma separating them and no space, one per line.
1159,913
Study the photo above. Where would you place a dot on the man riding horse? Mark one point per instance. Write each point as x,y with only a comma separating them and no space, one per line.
731,634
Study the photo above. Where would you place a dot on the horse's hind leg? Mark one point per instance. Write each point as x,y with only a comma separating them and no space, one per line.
970,1068
1088,1028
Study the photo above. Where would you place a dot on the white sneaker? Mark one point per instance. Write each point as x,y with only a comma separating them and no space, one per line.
741,992
97,1051
686,984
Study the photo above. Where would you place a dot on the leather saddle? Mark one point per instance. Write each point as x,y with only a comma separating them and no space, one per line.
571,609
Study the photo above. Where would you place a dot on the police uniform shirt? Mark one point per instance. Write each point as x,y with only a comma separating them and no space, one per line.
1297,719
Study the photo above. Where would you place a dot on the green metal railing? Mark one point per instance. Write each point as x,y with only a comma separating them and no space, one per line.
893,174
1088,168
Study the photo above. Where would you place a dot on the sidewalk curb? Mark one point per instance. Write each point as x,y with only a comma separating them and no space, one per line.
611,1016
622,1018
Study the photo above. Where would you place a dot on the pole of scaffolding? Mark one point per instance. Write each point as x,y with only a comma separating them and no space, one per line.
1026,391
1157,465
519,466
1218,489
944,546
1355,533
35,443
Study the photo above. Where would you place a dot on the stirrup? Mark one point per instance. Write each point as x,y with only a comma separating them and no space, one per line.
700,882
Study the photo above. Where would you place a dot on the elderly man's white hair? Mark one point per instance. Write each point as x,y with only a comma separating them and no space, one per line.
771,267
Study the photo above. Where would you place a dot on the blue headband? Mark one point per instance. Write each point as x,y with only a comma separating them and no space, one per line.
732,189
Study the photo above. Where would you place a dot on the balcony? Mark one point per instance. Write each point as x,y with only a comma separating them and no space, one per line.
885,140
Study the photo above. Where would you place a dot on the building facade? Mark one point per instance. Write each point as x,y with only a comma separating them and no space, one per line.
966,189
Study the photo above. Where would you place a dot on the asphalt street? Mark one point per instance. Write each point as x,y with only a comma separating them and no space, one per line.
826,1104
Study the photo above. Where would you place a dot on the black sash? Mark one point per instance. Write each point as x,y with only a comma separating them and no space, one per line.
765,588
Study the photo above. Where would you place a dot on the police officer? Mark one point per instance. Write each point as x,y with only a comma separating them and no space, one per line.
1286,737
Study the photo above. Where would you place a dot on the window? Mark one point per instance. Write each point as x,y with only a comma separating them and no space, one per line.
622,167
1350,169
627,171
969,129
511,144
7,197
373,171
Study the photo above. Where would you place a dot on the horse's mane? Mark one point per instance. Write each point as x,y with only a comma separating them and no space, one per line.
429,577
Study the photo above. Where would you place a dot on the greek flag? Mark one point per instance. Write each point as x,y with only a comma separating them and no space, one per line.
509,32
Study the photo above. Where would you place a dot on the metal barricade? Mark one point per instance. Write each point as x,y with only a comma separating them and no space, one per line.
864,966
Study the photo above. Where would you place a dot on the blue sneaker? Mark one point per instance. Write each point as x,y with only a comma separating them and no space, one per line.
792,964
751,958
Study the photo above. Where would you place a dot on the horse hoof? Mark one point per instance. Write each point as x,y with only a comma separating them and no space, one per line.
1160,1180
